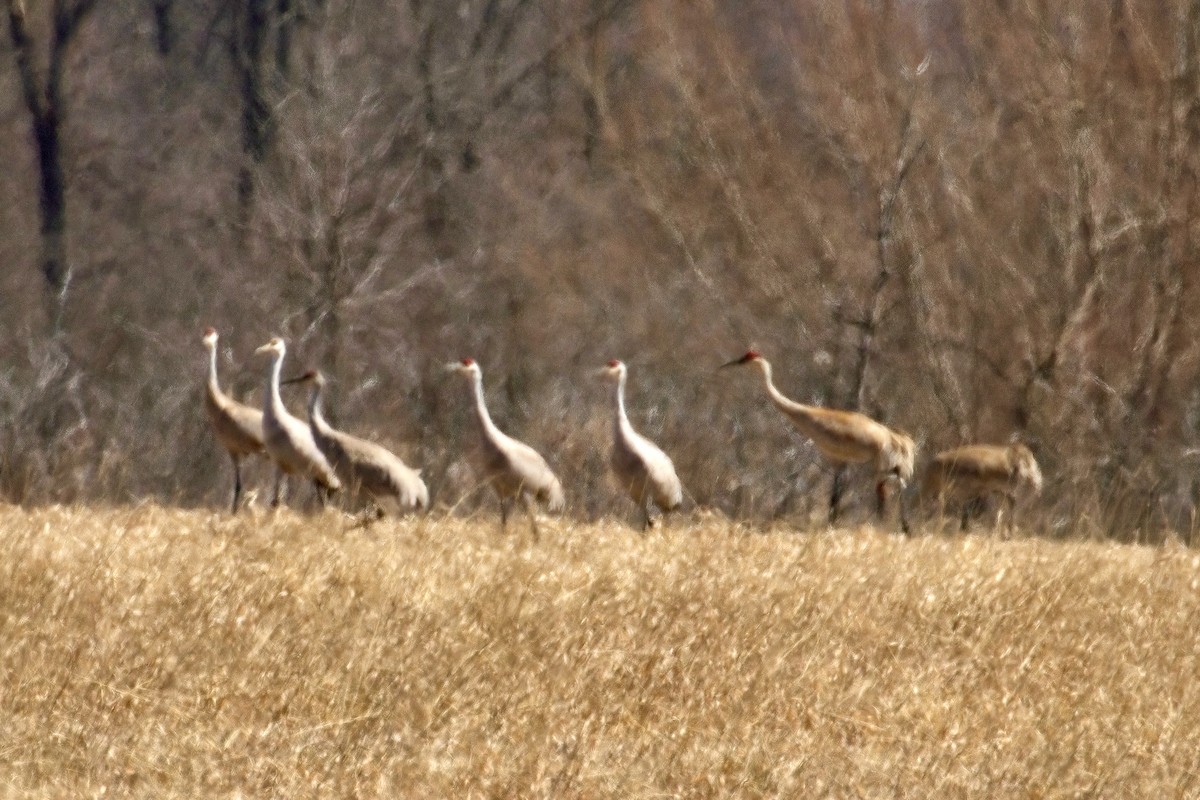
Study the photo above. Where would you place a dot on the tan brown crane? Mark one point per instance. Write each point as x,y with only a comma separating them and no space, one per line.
289,441
363,466
237,427
641,468
512,468
968,475
846,437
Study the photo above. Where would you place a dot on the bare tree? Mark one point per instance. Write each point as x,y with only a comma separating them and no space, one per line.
972,221
42,88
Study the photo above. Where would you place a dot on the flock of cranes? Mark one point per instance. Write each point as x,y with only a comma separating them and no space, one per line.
337,461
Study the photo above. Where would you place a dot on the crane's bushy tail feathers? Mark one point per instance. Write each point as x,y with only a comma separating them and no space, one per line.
552,496
901,457
1027,470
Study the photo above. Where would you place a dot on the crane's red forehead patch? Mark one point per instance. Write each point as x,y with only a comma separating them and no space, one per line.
614,364
751,355
210,331
466,362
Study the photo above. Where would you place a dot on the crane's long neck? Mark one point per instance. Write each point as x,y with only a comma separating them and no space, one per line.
214,388
783,403
316,419
485,419
776,395
274,403
621,420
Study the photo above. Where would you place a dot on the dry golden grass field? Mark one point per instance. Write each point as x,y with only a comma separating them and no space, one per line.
153,652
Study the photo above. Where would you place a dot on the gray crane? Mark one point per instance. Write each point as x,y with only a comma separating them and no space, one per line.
846,437
514,469
237,427
641,468
363,466
969,474
289,441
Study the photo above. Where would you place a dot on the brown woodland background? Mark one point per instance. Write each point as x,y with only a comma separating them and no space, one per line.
973,220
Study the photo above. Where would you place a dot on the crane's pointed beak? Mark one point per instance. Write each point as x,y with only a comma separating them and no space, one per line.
296,379
452,366
735,363
266,348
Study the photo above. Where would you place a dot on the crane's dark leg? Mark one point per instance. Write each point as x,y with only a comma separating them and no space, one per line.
324,494
835,497
531,510
276,496
370,515
237,482
1012,516
905,528
504,504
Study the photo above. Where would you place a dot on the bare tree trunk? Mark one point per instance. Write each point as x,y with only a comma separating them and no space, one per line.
256,111
869,325
164,29
44,101
285,12
1172,335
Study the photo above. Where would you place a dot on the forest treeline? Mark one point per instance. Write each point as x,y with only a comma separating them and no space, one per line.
973,221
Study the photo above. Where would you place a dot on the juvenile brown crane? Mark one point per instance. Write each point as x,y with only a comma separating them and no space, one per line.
289,441
846,437
237,427
363,466
514,469
641,468
967,475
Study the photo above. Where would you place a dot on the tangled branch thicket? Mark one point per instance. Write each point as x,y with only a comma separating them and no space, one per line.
976,223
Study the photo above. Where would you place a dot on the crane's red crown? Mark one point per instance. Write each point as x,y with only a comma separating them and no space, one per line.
751,355
466,362
210,331
614,364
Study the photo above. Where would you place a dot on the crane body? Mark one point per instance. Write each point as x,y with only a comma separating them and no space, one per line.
968,475
288,440
363,466
846,437
238,427
513,469
641,468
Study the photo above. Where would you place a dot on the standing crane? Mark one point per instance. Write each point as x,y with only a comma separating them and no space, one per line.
514,469
641,468
969,474
289,441
846,437
361,465
238,427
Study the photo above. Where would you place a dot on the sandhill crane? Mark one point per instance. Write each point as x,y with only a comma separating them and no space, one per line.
238,428
362,465
969,474
289,441
846,437
641,468
514,469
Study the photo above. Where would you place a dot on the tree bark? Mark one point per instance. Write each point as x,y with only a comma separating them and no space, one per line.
256,111
44,101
